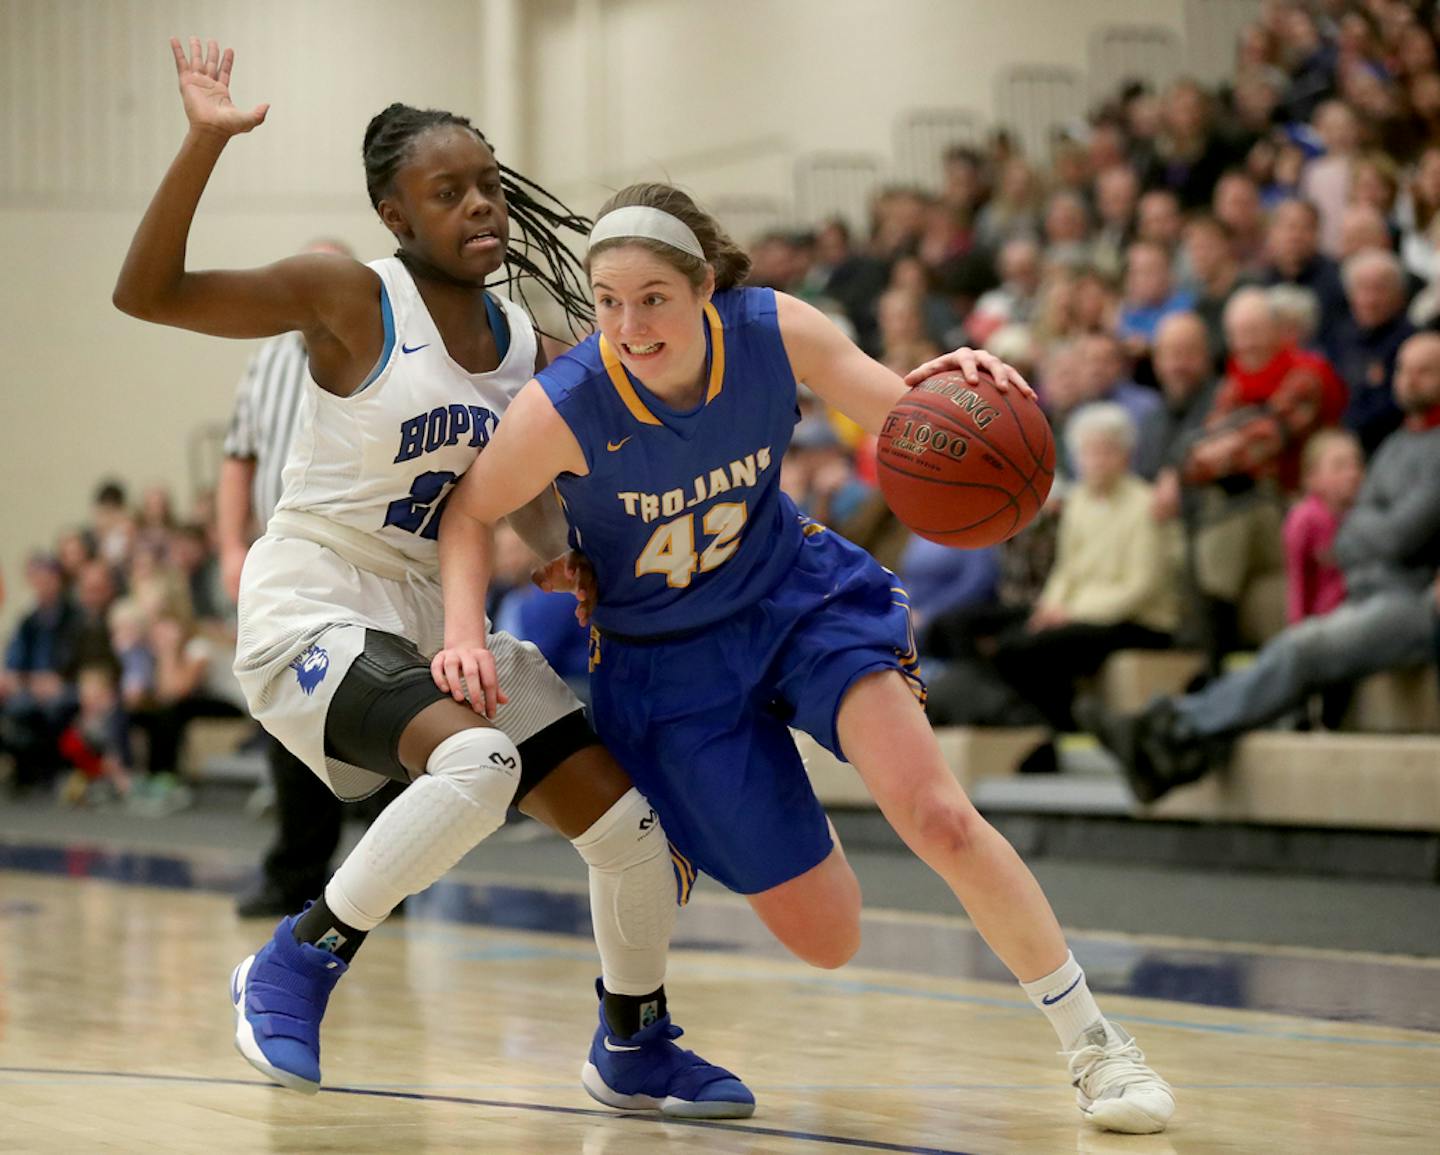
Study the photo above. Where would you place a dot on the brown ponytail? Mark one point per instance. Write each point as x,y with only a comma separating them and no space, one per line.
730,262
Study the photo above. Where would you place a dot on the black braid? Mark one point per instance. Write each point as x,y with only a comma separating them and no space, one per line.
536,251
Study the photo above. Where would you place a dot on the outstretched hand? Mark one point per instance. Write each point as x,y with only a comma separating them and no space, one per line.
205,89
571,574
969,362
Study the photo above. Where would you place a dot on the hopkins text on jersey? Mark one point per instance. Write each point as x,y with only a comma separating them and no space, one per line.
446,425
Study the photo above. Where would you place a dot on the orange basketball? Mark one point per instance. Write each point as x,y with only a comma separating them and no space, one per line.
966,465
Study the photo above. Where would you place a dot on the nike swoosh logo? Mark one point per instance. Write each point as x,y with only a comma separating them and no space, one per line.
1050,1002
612,446
406,348
609,1046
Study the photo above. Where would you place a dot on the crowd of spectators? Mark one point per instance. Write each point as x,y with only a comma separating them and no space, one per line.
1211,289
125,638
126,634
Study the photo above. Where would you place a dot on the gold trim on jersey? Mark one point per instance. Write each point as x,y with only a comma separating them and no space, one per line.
685,876
621,380
910,657
717,353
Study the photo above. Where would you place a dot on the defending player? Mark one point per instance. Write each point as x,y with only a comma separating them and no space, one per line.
722,617
412,363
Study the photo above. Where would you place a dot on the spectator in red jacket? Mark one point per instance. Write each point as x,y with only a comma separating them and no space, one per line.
1272,398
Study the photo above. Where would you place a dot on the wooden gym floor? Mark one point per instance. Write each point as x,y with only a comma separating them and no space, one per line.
463,1027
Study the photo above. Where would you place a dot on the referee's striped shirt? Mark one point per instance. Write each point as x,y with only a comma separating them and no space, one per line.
267,402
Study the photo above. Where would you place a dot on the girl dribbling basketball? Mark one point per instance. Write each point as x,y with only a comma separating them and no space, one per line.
722,617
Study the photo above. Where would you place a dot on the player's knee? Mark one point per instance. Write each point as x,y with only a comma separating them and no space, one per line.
482,764
628,833
628,844
828,948
945,827
827,937
837,949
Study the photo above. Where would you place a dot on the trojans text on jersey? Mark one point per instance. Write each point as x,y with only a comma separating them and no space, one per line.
742,473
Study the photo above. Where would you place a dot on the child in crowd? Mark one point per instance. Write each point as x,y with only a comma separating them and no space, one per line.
1332,469
95,745
128,630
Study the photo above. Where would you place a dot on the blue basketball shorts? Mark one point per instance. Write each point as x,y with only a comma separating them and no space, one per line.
702,722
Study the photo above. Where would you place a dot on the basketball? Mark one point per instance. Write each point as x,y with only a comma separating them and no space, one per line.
966,465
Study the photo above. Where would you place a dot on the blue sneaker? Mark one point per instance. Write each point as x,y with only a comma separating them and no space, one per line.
648,1072
279,994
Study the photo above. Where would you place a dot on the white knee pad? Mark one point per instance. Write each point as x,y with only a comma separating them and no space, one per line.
632,894
457,803
481,763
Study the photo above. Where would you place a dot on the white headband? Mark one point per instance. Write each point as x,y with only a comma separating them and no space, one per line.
652,224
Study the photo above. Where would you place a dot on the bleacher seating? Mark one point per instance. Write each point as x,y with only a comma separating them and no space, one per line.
1130,678
213,751
1381,772
1397,702
1386,781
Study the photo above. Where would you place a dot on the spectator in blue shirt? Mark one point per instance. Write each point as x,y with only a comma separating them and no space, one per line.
36,700
1293,257
939,578
1367,343
1150,296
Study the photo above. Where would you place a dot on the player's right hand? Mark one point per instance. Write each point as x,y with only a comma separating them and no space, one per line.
205,89
467,673
571,574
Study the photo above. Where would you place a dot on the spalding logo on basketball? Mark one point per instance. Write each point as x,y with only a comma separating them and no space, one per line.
966,465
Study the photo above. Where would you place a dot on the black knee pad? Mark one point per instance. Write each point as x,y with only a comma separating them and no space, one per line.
385,687
389,683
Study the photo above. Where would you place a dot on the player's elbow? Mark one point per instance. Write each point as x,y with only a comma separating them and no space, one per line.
135,302
128,301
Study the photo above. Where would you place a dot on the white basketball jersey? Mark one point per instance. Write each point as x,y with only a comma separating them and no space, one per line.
382,460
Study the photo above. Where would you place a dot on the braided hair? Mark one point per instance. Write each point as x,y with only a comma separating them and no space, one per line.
537,254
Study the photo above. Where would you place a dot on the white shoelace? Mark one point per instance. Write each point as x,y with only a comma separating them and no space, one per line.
1115,1066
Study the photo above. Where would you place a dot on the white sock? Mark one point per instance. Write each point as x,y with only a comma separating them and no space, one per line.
458,802
1065,999
632,894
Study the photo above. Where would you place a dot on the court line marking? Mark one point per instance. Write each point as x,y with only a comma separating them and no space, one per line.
452,932
745,949
489,875
508,1105
521,952
853,986
76,1079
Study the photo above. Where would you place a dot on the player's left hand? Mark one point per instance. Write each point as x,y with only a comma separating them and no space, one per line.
969,362
466,671
571,574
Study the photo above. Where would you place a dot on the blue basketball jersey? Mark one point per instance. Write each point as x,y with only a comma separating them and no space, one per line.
681,514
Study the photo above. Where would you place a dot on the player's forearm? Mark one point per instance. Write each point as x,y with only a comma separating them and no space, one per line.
232,503
155,265
542,526
862,389
467,549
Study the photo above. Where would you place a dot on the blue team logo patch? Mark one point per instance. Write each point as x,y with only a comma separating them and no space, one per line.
310,668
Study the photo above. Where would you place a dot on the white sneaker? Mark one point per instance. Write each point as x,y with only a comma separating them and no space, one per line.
1114,1087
